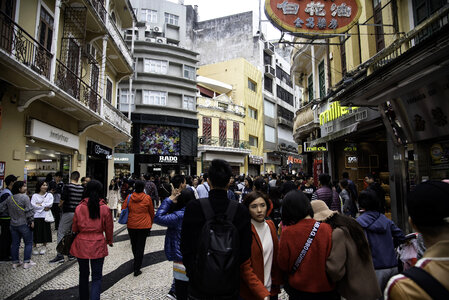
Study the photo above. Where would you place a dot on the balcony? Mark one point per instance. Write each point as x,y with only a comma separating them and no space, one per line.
99,9
284,121
20,45
305,122
206,143
119,41
115,117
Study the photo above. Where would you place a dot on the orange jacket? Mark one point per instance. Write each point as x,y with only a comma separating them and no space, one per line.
252,271
141,211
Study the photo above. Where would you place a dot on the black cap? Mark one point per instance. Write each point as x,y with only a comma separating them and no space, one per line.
428,204
9,179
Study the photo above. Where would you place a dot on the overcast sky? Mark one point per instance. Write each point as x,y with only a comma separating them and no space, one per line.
211,9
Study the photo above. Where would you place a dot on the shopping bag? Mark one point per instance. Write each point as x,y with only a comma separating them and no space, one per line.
49,217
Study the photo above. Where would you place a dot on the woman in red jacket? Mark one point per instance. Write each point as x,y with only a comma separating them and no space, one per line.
260,277
140,220
308,280
92,218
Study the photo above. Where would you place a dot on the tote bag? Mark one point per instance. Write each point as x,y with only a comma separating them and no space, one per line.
123,219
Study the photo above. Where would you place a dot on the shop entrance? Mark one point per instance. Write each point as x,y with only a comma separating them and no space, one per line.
97,169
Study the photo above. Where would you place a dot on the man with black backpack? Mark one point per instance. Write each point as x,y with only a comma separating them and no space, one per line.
215,239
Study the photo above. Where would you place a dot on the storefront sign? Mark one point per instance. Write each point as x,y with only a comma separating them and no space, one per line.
48,133
317,148
334,112
168,159
350,148
98,150
255,160
313,17
294,160
121,159
273,159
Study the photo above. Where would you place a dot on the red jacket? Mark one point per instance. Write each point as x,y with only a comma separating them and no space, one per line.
252,271
141,211
311,275
90,243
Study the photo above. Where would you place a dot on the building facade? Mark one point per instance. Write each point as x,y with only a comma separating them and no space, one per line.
163,96
60,62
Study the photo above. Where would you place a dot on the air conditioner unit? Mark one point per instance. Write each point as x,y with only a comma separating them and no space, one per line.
150,40
269,71
157,29
161,40
148,28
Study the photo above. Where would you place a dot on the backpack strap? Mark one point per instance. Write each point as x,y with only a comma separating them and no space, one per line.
207,208
231,210
427,282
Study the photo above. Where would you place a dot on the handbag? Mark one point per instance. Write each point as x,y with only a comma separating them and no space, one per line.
65,244
123,219
49,217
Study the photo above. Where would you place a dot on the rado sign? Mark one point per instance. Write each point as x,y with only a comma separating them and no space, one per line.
168,159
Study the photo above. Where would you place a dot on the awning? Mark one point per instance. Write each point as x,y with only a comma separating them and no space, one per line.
333,136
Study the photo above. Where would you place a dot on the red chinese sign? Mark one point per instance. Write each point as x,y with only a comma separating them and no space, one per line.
313,17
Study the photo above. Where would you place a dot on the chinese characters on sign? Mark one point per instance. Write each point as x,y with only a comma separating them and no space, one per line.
308,16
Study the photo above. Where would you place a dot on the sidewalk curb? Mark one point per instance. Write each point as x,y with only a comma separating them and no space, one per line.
33,286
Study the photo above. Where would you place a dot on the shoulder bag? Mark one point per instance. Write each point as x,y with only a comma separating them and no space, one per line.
306,247
123,219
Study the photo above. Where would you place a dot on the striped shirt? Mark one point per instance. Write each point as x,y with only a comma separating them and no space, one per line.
72,194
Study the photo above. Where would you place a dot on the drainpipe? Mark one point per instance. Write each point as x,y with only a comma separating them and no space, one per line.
54,40
316,86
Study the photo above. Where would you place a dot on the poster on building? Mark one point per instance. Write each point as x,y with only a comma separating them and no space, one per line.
439,152
309,17
160,140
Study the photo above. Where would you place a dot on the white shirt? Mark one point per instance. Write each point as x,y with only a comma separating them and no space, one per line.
40,202
203,190
264,233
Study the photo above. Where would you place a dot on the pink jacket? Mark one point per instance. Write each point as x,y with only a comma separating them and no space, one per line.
90,242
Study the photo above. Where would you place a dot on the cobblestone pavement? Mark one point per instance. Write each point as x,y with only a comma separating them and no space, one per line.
118,280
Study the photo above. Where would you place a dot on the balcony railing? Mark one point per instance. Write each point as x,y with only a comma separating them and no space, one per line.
99,8
67,80
222,142
417,35
18,43
115,117
118,38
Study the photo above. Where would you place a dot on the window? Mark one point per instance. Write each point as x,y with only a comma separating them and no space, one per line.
310,87
207,130
108,90
266,59
154,97
124,95
189,72
422,9
155,66
285,113
222,132
188,103
252,85
343,55
284,95
379,31
252,113
321,79
45,29
148,15
268,108
268,84
283,76
171,19
270,135
236,134
253,141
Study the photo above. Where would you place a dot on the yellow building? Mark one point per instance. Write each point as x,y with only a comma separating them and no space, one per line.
60,63
246,82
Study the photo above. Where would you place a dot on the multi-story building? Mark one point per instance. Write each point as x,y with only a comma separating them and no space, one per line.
60,62
384,108
246,82
163,101
228,38
221,132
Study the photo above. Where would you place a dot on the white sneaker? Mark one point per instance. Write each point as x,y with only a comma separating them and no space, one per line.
16,265
43,250
29,264
35,252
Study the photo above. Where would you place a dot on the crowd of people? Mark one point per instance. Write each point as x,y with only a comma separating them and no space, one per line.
240,237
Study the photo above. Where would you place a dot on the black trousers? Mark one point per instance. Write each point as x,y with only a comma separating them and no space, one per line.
56,211
138,239
182,289
5,239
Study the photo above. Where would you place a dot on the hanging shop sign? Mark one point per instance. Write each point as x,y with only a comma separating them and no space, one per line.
334,112
98,150
255,160
313,17
48,133
168,159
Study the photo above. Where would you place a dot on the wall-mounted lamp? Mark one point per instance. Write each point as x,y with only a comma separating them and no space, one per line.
32,141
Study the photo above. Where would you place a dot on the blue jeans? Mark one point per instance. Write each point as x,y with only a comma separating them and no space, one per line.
97,274
18,232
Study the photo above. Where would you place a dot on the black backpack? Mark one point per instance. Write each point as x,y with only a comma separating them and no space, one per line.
217,263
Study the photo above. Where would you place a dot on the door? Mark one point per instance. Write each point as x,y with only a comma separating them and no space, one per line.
73,61
236,134
207,130
222,128
7,16
93,100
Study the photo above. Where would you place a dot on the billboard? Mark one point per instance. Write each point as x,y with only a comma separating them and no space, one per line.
160,140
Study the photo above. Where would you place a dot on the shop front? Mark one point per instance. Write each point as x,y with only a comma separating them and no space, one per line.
319,159
98,157
254,164
48,150
273,162
235,160
294,163
123,164
163,165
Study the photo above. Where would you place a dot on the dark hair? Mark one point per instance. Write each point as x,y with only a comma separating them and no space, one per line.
49,177
189,180
261,185
39,184
368,200
324,179
17,186
370,176
139,186
185,197
219,173
250,197
94,190
345,175
308,176
344,183
58,174
275,196
177,180
355,231
250,182
295,207
205,176
147,176
273,176
75,175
